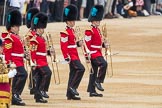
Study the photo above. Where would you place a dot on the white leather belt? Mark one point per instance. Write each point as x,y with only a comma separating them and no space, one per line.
17,55
92,52
72,46
94,46
40,53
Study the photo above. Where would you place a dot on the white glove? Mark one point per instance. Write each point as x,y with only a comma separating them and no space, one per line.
32,64
13,65
12,73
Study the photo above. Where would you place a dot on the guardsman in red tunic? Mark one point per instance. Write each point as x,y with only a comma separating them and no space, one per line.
39,56
14,53
31,12
93,40
5,89
69,50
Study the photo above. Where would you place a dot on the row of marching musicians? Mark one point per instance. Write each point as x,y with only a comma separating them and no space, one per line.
35,51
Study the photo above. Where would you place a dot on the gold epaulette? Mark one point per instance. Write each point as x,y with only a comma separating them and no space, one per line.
5,31
64,32
8,37
33,39
89,28
29,34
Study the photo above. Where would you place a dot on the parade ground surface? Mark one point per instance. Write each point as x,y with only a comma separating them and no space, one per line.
136,46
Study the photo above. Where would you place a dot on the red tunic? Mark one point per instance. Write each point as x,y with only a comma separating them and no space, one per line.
68,44
38,50
93,40
13,49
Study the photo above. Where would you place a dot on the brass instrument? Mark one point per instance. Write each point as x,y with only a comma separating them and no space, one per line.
84,48
107,50
53,58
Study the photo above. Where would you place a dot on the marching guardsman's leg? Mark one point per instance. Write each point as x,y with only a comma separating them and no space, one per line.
71,75
102,70
79,71
75,76
18,85
49,79
45,72
37,94
92,79
102,65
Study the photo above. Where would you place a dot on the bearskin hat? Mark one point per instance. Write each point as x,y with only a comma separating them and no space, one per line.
70,13
31,12
39,20
14,18
96,13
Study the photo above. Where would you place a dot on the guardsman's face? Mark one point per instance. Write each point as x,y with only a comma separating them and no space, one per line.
96,23
15,29
40,31
71,23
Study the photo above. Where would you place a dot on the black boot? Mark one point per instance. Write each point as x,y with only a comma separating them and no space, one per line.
16,102
95,94
73,91
44,94
73,98
98,85
16,97
32,91
41,100
38,98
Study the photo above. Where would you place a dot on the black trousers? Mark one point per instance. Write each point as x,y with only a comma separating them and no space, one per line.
43,78
99,66
19,80
75,75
